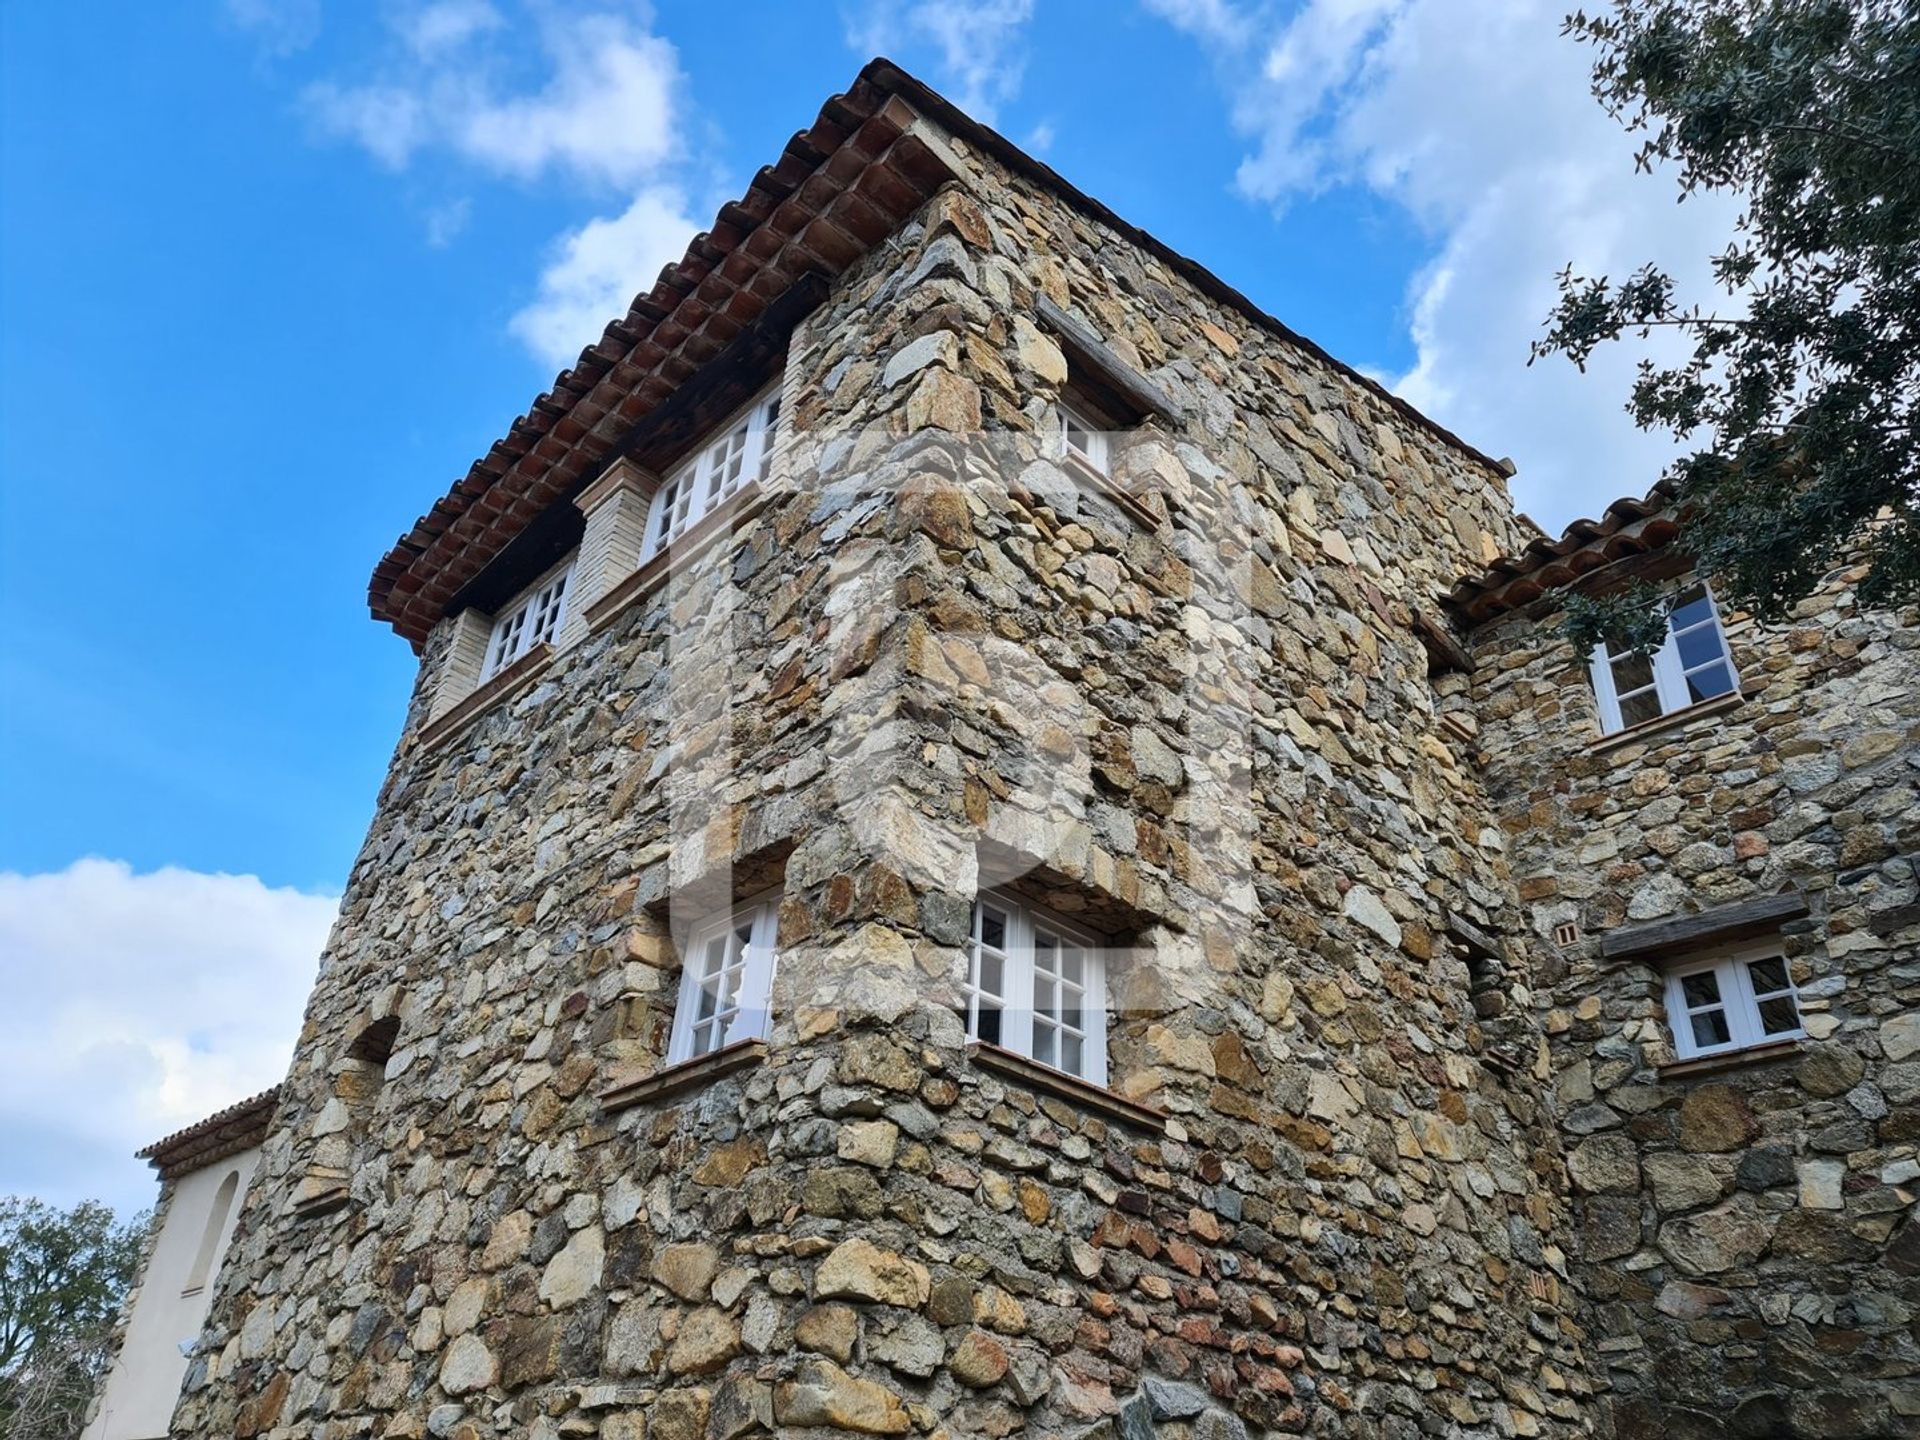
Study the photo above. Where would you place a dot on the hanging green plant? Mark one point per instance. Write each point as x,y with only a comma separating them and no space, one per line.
1631,621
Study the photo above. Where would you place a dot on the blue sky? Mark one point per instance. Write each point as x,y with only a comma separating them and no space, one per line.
273,272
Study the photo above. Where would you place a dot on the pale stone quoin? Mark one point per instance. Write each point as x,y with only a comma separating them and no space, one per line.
990,843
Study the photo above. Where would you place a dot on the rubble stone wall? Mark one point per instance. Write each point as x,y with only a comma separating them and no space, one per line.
1747,1229
933,660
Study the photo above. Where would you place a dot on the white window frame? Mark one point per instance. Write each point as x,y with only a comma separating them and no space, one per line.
695,487
535,616
1738,998
1096,453
1019,970
751,998
1670,673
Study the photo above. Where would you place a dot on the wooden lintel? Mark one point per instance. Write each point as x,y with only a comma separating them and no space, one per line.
685,1075
1093,355
1444,653
1725,922
1476,942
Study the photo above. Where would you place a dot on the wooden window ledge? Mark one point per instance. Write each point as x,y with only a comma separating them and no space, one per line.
1673,719
496,690
717,523
686,1075
1110,489
1733,1059
1032,1075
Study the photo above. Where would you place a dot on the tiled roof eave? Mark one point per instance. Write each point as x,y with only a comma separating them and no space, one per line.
781,230
1631,525
239,1127
837,190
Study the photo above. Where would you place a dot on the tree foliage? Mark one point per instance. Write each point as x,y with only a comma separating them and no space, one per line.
62,1277
1801,394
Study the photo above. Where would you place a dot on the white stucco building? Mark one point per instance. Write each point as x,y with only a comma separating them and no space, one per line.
204,1172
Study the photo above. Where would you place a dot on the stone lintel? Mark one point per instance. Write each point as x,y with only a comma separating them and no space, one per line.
623,476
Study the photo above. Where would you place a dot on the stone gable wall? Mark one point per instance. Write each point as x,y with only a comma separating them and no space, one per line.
930,662
1748,1233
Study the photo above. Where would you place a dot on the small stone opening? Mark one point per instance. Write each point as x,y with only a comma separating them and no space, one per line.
374,1044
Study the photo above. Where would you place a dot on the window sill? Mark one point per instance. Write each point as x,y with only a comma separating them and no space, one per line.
1673,719
686,1075
1032,1075
714,525
1105,485
1733,1059
509,682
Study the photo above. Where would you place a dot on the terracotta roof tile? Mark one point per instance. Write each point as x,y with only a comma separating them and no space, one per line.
225,1132
1631,525
838,188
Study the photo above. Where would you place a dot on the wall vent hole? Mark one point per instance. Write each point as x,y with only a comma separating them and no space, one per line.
1567,934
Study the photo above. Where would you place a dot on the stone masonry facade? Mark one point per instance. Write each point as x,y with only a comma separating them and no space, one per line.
1377,1155
1749,1249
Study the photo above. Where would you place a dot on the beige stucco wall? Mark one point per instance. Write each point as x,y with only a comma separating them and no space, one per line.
137,1400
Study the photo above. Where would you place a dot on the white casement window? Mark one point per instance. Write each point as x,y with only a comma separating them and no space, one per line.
1085,438
740,455
726,983
1690,666
1038,987
530,620
1730,998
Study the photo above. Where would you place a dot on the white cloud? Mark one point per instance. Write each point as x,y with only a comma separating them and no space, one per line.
597,270
137,1004
446,25
280,26
976,43
1480,124
606,113
445,222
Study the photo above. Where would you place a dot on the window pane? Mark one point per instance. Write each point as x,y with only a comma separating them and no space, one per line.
1073,967
1710,1028
991,975
1043,1048
1632,672
1769,976
1642,707
1700,988
1699,646
1705,684
993,928
987,1028
1690,607
1044,950
1043,996
1071,1055
1779,1015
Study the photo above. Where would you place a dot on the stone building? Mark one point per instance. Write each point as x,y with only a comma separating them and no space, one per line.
964,861
1715,858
